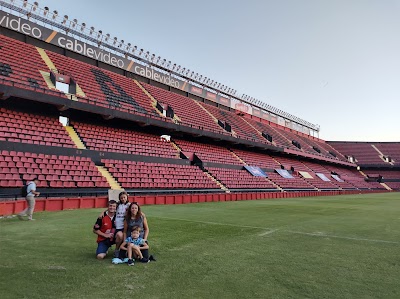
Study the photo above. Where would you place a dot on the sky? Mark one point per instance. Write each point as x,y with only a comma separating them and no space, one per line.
335,63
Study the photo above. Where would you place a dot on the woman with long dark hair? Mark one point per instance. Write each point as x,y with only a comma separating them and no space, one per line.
135,217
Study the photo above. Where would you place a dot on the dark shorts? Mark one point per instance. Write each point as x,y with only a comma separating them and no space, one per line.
124,254
103,246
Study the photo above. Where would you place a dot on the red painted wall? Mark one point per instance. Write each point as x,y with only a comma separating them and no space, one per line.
60,204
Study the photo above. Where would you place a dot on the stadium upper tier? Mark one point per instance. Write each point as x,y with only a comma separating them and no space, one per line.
31,68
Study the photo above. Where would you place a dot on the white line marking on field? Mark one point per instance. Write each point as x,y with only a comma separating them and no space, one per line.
268,232
56,268
321,234
209,222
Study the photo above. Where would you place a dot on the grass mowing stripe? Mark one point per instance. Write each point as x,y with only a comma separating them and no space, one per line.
211,223
270,230
323,235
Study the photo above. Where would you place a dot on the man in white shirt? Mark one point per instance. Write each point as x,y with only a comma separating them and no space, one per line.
30,199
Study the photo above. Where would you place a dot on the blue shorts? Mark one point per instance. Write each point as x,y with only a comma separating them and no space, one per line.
103,246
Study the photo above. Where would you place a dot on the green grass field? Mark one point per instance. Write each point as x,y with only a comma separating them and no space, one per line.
321,247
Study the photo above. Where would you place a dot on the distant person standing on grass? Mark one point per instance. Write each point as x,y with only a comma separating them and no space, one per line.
30,199
104,228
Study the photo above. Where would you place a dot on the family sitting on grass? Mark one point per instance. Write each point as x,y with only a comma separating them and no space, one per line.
124,225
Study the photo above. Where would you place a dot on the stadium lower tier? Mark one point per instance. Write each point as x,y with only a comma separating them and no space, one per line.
89,155
67,174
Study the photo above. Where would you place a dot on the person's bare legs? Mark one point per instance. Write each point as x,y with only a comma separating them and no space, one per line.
130,249
137,251
101,256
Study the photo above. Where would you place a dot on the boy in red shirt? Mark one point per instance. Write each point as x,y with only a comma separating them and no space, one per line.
104,228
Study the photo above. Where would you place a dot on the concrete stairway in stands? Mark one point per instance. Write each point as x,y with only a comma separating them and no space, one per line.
52,67
211,177
176,118
110,179
237,157
75,138
386,186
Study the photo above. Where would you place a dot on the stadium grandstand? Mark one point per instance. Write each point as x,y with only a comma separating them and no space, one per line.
85,113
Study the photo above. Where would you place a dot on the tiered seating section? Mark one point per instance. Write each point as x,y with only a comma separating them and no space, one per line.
108,88
284,138
239,126
208,152
240,179
298,166
290,184
53,171
391,149
30,128
277,138
20,62
317,168
387,174
325,148
188,111
69,172
141,175
369,153
257,159
109,139
394,185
